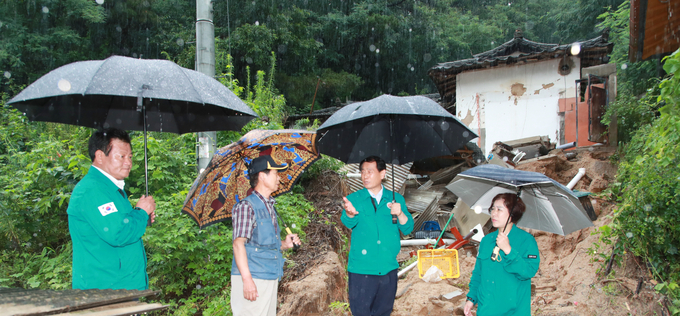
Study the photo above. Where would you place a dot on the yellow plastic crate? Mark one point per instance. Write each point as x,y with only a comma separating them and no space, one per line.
445,259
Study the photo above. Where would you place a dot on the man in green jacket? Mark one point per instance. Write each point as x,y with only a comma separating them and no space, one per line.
375,241
105,229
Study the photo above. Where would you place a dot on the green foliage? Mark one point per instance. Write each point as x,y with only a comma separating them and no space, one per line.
189,264
326,163
48,269
632,113
171,163
339,307
293,208
333,88
647,187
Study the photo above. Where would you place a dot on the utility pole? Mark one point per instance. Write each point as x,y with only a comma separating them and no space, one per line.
205,63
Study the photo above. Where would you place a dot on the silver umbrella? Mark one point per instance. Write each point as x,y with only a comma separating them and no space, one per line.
550,206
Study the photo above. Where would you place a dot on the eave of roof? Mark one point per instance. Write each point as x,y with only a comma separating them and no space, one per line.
593,52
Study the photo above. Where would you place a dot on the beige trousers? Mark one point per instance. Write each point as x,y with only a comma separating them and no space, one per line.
264,305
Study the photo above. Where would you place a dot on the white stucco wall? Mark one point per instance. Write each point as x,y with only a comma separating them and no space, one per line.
492,101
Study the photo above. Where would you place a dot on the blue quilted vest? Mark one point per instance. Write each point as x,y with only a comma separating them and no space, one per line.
263,250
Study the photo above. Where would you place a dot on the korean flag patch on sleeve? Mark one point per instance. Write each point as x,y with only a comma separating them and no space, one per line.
107,209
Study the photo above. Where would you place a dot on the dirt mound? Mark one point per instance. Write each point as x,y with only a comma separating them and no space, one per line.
313,293
563,166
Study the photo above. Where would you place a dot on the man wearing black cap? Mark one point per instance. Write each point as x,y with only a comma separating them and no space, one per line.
257,266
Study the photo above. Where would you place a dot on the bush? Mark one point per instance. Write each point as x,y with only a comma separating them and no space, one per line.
648,188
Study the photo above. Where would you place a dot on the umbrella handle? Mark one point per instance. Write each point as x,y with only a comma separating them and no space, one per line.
295,246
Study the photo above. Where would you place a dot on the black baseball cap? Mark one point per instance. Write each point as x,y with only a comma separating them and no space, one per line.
263,163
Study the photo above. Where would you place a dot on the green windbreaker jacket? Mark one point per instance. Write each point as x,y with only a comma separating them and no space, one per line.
504,288
107,236
375,240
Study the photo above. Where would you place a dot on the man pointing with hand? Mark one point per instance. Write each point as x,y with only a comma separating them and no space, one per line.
372,266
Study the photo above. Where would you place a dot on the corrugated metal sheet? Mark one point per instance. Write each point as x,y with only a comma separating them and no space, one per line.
429,214
401,172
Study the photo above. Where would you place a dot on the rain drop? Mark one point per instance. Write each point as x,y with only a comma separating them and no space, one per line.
126,221
40,245
198,286
408,66
378,242
106,229
134,55
257,23
629,235
211,118
372,48
45,10
377,65
363,252
294,226
8,74
479,161
35,234
119,121
412,69
249,60
180,42
624,66
146,4
466,134
100,2
575,49
361,153
444,126
377,50
119,29
283,48
406,139
427,57
478,209
594,202
64,85
648,208
505,159
28,244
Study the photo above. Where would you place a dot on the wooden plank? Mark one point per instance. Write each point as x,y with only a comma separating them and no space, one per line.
129,308
47,302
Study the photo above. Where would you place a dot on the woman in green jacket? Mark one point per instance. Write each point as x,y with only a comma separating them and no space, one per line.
507,260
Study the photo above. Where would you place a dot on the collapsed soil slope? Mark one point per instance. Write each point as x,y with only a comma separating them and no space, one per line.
569,280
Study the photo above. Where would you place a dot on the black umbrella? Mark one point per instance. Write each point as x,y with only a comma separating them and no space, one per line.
133,94
404,129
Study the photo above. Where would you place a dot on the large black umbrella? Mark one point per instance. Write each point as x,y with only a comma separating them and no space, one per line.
133,94
397,129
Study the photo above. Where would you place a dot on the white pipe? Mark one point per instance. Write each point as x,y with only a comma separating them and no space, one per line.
404,270
565,146
572,183
423,242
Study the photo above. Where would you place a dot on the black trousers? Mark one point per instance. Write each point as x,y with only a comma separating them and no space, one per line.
372,295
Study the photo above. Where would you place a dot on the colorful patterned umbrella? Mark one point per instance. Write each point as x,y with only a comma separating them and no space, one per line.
225,181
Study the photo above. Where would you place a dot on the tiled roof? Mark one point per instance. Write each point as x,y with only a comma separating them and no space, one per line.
518,50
